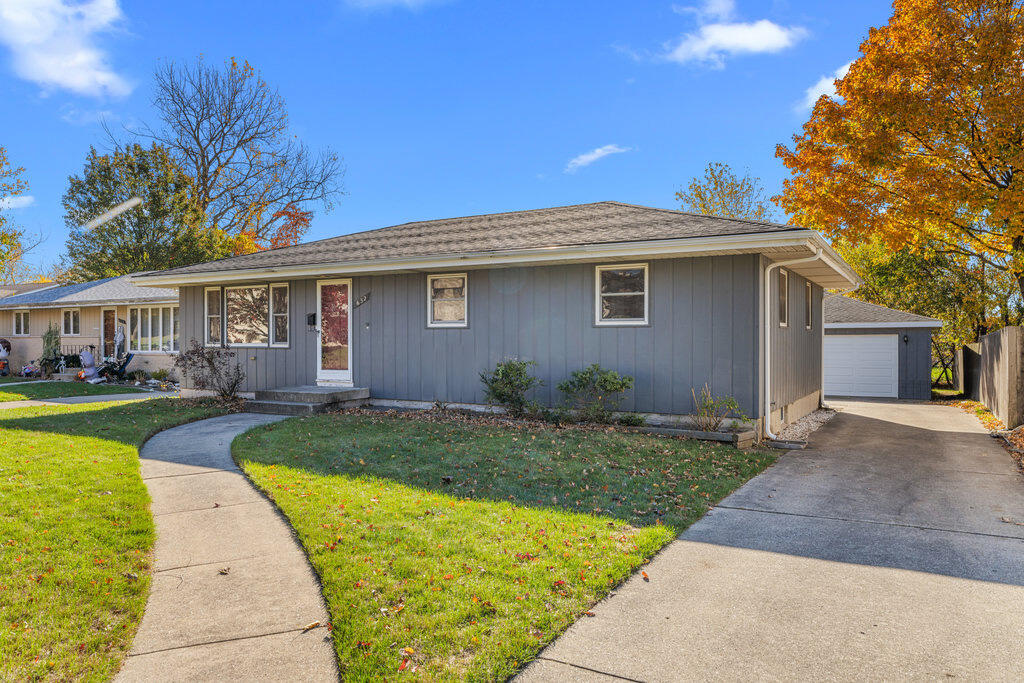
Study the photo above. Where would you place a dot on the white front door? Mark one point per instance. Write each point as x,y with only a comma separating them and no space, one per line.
334,347
862,365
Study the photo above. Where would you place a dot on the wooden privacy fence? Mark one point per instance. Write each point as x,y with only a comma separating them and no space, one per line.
993,373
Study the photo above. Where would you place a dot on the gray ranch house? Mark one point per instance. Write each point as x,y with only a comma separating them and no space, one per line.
413,313
876,352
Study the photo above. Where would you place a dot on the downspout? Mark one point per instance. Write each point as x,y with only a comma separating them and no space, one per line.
766,310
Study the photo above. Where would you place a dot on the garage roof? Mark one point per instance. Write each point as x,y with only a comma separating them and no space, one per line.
844,312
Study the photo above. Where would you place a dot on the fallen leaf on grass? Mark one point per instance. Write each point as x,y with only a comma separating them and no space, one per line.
405,663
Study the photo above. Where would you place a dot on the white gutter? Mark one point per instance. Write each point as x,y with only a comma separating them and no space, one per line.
766,311
69,305
882,326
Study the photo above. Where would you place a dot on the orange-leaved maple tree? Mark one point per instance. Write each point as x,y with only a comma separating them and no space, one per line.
923,147
290,224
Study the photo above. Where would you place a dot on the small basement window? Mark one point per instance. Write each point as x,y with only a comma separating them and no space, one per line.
809,303
20,324
447,297
783,298
71,325
621,297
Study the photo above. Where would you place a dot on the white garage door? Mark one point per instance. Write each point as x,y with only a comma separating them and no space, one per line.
862,365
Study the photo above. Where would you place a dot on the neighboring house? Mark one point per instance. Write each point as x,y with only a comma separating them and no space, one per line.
24,288
876,352
415,312
90,313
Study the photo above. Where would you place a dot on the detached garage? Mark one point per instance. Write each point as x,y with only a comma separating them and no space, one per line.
876,352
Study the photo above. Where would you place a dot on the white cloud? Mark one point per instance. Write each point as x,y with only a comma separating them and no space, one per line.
712,43
19,202
53,43
593,155
711,10
86,117
826,85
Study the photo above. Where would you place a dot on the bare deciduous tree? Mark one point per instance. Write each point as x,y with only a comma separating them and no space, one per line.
228,130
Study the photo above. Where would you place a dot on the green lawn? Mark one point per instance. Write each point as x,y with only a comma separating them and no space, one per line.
43,390
76,534
451,550
9,379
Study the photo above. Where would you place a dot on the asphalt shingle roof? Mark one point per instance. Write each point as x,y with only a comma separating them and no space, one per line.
581,224
108,290
843,309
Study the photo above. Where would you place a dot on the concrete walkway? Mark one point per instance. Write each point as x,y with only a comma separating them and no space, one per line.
893,548
232,591
72,400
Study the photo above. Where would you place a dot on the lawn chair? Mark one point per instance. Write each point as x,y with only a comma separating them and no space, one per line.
116,370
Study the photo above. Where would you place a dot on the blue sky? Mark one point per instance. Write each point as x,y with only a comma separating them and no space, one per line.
442,107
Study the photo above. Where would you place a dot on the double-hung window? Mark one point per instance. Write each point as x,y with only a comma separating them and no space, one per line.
809,305
621,296
20,324
153,328
71,322
783,298
447,299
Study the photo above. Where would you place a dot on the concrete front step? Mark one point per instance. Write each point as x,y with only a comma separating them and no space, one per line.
299,407
313,394
285,407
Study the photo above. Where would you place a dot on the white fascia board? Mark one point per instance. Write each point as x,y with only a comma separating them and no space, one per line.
880,326
693,246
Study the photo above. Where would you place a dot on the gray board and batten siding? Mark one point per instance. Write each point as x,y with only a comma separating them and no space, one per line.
795,349
703,326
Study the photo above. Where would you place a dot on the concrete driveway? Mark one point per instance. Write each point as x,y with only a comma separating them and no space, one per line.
881,552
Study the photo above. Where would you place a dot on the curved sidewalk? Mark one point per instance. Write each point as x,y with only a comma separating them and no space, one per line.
232,592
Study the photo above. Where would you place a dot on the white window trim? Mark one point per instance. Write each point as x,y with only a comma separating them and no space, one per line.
783,293
621,322
288,314
809,306
65,333
14,322
138,316
206,317
430,301
224,318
